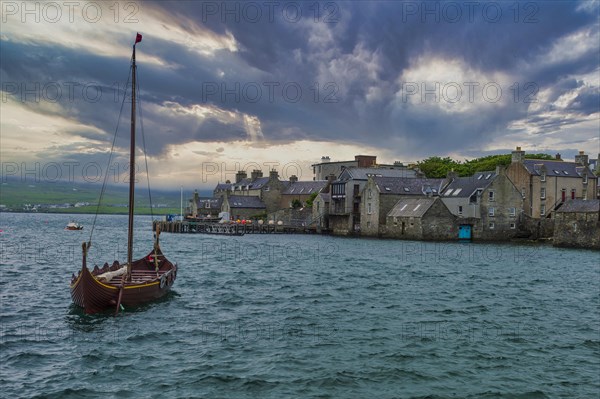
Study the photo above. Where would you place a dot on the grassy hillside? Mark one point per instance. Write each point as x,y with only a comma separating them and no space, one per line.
56,196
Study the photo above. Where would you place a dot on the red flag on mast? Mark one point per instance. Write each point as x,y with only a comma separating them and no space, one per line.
138,38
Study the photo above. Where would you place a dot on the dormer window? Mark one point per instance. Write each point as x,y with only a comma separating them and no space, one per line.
585,178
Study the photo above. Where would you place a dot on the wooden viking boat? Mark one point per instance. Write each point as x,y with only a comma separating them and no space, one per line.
136,281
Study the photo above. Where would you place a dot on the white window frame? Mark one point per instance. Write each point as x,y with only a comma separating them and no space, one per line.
542,192
491,211
512,211
369,209
543,176
491,225
491,196
513,226
543,210
460,210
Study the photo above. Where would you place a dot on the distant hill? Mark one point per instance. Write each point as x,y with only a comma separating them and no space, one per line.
62,196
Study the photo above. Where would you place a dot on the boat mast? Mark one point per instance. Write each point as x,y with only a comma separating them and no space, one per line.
131,170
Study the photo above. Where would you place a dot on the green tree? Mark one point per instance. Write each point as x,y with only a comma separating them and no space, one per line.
311,200
296,203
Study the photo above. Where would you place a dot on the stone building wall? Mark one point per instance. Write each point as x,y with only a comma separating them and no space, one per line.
579,230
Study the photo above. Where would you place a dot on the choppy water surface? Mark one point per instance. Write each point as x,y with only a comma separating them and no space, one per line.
294,316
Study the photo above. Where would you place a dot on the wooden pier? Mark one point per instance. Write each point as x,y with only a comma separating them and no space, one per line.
189,227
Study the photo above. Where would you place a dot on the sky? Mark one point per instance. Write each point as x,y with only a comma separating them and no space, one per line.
277,85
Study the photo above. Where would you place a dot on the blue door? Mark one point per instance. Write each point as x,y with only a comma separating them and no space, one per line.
464,232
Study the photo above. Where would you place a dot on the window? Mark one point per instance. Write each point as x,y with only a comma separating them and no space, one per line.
585,179
460,210
542,210
417,207
523,192
487,177
406,189
369,211
368,224
492,225
458,190
491,196
512,211
513,226
404,207
573,193
543,192
207,205
370,194
491,211
543,175
479,177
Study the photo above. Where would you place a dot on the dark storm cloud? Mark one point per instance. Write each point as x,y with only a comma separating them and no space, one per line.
348,72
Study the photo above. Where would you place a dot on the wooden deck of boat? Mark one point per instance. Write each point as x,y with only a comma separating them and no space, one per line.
137,277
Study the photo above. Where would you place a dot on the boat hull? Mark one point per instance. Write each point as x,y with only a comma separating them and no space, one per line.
95,296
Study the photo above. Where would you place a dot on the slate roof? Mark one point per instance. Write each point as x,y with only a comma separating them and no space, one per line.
407,185
580,206
462,187
305,187
245,201
214,203
411,207
325,196
556,168
364,173
247,183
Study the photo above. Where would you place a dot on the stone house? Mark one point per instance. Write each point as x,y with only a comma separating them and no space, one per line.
267,189
320,210
242,206
486,204
346,192
420,219
301,191
380,194
546,184
204,207
577,224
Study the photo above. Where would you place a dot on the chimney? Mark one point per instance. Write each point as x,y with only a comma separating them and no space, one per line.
293,179
518,155
581,159
240,175
365,161
273,175
557,156
325,159
256,173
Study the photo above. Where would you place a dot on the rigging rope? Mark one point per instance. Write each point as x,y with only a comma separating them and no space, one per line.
110,156
139,99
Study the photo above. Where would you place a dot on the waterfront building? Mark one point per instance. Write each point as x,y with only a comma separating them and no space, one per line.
420,219
488,205
243,206
577,224
346,191
301,191
380,194
546,184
